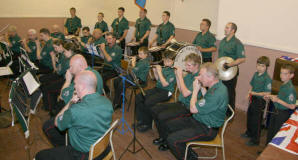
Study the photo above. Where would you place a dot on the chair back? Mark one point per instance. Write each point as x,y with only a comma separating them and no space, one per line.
223,128
102,143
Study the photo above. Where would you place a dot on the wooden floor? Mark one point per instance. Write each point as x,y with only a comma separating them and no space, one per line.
12,140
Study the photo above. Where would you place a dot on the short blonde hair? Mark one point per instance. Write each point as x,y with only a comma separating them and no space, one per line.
195,58
12,28
211,69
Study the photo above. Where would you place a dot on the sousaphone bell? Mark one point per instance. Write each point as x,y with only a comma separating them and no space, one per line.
226,74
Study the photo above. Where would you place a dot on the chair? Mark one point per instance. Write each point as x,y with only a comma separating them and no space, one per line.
217,142
102,143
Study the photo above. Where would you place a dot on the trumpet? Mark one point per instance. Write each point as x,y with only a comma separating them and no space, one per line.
173,67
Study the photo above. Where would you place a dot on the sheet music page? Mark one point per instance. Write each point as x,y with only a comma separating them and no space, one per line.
92,48
5,71
30,83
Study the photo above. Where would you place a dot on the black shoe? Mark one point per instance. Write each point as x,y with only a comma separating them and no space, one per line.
116,106
244,135
163,147
251,143
137,124
143,128
192,155
158,141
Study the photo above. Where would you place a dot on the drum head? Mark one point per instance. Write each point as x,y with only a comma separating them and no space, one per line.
184,51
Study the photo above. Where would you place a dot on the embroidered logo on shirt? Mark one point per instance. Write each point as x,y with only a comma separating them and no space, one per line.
243,53
202,102
291,97
172,79
13,42
44,53
60,118
113,54
33,47
66,93
269,86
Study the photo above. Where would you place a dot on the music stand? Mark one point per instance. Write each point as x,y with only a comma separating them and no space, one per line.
23,102
123,121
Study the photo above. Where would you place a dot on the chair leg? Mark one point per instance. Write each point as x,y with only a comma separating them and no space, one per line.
186,150
223,152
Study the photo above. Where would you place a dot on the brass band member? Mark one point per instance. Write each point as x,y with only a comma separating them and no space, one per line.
73,24
101,24
232,47
56,33
165,31
30,44
205,41
120,28
162,92
163,112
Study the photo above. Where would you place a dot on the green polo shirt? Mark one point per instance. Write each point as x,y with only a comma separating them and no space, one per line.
188,81
116,54
142,26
16,43
62,64
205,41
142,68
102,26
287,93
213,106
261,83
68,92
232,48
58,35
45,54
119,27
32,55
169,75
164,32
86,121
72,24
85,39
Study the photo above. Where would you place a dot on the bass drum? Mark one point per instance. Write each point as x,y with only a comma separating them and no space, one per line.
182,50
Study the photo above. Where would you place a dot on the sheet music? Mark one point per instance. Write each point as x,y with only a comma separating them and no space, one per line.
5,71
31,84
92,49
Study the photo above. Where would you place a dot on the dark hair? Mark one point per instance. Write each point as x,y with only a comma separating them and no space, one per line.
169,54
111,34
207,21
44,31
288,67
101,14
86,28
145,10
69,46
233,26
144,50
121,8
58,42
167,13
263,60
72,8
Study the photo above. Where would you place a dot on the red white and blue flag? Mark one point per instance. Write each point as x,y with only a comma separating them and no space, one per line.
287,137
140,3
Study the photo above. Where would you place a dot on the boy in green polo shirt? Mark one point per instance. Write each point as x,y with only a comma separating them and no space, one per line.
73,25
84,39
260,87
140,69
56,33
284,102
101,24
163,91
120,28
205,41
165,32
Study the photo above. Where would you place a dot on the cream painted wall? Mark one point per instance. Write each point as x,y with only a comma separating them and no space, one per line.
264,23
186,15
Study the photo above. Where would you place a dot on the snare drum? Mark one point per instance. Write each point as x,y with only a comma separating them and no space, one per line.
156,54
132,48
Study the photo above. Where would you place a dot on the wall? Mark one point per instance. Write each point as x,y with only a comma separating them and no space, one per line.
265,23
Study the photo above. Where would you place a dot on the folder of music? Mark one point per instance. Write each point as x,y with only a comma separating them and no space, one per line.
4,71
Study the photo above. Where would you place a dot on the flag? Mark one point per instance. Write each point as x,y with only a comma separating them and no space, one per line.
140,3
287,137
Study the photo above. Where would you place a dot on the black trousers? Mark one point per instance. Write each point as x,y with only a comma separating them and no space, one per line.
55,136
254,118
122,45
207,60
43,69
231,86
182,130
51,85
144,104
277,119
161,113
106,75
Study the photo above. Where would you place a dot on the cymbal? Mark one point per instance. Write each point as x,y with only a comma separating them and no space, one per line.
225,74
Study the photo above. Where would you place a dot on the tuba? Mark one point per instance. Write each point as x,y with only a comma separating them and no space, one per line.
225,74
